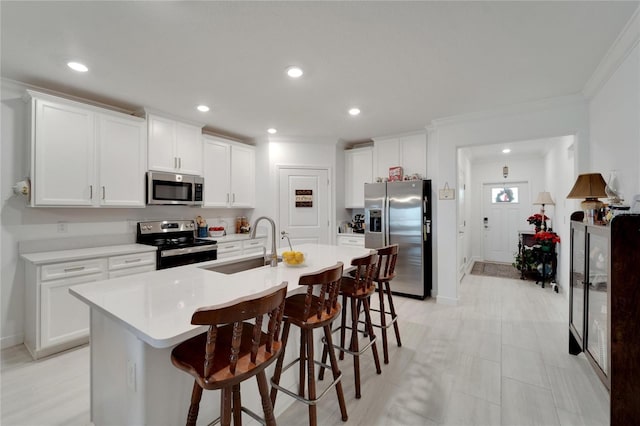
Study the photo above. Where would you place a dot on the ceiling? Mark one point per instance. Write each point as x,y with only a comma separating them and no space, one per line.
402,63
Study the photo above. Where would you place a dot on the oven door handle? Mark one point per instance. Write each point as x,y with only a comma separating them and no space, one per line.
188,250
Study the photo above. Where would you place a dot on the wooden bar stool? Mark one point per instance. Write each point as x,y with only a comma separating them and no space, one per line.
232,351
358,288
387,257
308,312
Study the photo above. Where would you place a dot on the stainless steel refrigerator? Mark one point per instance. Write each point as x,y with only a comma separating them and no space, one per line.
400,213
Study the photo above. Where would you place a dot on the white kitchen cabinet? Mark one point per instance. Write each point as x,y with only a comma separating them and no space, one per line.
229,173
241,246
358,171
83,155
230,249
255,245
351,240
408,151
122,148
174,146
54,319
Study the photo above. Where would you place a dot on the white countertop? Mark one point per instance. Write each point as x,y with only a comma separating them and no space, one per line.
157,306
86,253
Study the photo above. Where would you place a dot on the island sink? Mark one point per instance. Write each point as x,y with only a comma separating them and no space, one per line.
239,266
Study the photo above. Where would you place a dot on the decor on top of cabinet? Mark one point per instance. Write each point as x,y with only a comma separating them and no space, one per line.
546,239
536,220
395,174
544,198
589,186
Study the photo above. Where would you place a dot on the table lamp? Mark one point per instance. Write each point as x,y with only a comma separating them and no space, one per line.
544,198
589,186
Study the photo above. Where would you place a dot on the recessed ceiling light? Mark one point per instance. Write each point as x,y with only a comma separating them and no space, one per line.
202,108
294,72
77,66
272,131
354,111
506,151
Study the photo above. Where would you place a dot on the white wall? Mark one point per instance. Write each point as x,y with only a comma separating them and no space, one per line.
552,118
615,126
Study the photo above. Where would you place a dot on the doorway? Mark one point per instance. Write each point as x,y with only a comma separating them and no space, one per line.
304,205
504,205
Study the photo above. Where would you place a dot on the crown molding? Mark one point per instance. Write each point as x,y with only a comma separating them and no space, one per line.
615,56
511,110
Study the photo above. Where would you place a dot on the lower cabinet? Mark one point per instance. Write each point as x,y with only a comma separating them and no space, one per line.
55,320
238,247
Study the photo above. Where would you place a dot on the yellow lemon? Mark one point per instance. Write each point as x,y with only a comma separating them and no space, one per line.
299,257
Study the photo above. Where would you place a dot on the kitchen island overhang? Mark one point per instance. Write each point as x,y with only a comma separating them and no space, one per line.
137,320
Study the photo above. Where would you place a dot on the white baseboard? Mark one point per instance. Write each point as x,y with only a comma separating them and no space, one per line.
9,341
446,300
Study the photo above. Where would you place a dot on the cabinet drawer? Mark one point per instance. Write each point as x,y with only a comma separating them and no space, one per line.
131,271
229,249
132,260
350,241
253,246
72,269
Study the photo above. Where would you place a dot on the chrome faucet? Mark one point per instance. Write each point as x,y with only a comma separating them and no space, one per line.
274,252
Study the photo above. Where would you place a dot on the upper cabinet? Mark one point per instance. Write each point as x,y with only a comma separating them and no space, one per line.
82,155
174,146
229,173
358,171
409,152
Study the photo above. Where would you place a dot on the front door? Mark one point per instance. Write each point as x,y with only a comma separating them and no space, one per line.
304,205
506,207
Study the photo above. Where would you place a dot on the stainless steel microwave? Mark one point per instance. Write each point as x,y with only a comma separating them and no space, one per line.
174,189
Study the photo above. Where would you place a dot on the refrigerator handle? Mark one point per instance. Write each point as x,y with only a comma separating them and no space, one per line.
386,240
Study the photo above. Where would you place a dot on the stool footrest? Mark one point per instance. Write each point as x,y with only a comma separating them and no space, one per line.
302,398
350,352
246,410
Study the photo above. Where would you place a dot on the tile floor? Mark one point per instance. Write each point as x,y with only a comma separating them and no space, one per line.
497,358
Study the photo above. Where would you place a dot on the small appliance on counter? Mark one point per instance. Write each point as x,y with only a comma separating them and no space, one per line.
358,224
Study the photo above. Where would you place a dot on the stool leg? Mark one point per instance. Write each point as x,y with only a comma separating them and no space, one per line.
393,314
336,372
343,325
278,370
303,360
267,407
324,361
383,322
354,345
196,394
225,407
313,416
372,337
237,406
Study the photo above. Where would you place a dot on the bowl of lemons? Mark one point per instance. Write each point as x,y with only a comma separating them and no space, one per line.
293,258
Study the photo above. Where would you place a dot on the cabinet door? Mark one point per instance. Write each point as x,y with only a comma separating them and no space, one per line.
576,314
161,137
216,159
386,154
243,180
358,171
122,153
188,149
226,250
597,300
63,318
64,170
255,245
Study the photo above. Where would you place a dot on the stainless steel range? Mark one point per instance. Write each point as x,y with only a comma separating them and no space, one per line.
176,242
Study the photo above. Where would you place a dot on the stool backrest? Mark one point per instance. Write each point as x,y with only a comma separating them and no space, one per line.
328,282
270,302
387,257
363,275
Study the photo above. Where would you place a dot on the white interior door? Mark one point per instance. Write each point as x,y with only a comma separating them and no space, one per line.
304,205
506,207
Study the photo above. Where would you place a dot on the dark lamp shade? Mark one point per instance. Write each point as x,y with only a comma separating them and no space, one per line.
590,185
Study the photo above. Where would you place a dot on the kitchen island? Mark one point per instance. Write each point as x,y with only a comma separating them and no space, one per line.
136,321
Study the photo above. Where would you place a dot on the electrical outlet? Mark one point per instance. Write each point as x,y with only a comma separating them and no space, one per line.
62,226
131,375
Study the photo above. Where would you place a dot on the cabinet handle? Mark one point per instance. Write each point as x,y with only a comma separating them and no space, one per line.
175,162
179,162
234,197
103,193
77,268
91,192
227,197
133,260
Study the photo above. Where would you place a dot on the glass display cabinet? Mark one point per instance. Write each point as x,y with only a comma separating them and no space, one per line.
604,307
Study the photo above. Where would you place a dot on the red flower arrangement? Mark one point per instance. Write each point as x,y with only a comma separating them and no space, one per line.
546,237
536,219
